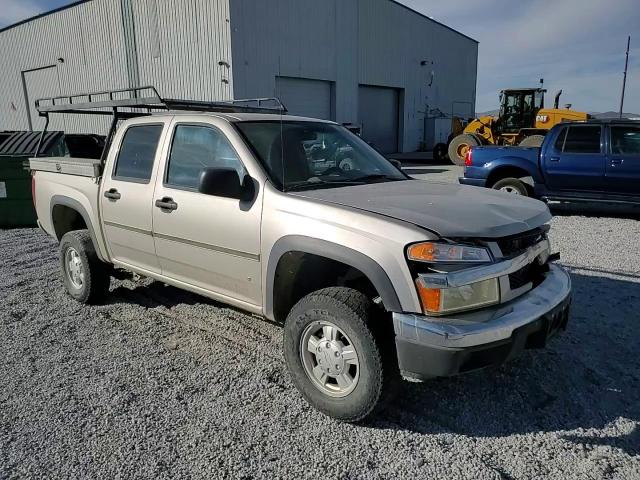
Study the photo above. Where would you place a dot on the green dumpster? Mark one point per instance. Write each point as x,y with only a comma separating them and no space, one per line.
16,205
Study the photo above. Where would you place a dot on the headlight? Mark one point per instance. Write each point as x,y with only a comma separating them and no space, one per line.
444,252
442,301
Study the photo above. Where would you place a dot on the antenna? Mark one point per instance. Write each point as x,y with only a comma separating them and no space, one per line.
279,91
624,78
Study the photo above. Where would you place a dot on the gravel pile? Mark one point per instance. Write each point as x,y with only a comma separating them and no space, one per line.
159,383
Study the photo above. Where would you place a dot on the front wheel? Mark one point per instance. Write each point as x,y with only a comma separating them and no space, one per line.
511,185
332,355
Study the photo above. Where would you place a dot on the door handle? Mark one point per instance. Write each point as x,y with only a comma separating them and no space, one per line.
554,159
166,203
112,194
616,161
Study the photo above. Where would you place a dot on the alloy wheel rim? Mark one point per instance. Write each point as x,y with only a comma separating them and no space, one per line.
329,359
74,268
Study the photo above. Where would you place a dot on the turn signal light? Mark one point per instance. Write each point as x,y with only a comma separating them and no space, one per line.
429,297
447,252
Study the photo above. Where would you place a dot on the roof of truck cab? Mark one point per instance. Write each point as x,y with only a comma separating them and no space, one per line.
244,117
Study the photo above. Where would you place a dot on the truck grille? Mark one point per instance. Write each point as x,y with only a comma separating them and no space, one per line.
534,273
516,244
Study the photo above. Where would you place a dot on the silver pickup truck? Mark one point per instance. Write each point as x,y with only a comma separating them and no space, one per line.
374,275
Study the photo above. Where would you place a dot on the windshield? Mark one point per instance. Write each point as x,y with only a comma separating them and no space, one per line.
305,155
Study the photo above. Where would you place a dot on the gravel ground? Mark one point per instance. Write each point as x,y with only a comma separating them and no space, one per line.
159,383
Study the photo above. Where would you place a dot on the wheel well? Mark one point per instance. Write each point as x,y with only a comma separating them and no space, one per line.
300,273
66,219
506,172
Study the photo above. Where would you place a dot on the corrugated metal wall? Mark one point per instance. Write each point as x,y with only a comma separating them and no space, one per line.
352,43
84,44
308,39
184,48
394,41
110,44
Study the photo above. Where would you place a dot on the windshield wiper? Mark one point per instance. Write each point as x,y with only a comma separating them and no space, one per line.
321,184
374,176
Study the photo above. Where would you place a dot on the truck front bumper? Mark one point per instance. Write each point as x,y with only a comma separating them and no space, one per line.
434,347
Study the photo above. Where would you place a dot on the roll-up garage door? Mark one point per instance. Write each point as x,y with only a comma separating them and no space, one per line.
305,97
378,113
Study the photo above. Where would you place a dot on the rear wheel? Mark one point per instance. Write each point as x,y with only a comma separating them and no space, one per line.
459,147
85,277
511,185
532,141
334,360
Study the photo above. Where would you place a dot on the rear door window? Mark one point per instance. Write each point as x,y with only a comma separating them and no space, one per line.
137,153
559,145
582,139
625,140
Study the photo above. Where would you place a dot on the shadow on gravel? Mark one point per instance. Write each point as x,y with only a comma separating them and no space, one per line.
155,294
595,210
587,378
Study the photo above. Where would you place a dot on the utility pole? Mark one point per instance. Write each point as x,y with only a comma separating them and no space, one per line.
624,79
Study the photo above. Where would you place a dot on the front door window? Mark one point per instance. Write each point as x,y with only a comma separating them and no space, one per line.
194,148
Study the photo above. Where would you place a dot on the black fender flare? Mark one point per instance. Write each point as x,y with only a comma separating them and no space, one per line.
299,243
77,206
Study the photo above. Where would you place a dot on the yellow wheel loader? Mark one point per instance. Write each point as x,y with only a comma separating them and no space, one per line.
523,120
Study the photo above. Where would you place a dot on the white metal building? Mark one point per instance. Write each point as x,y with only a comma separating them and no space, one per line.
374,63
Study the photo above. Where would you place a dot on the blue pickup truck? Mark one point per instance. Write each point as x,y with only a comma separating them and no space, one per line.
596,160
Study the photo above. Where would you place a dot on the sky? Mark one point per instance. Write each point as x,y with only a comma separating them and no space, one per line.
575,45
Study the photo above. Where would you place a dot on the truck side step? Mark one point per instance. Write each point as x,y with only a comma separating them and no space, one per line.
604,200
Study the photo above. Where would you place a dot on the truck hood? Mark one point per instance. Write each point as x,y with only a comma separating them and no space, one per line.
448,210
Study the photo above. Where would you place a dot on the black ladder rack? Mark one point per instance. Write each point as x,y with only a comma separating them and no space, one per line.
147,98
141,101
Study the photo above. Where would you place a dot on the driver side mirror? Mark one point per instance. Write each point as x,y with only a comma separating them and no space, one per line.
396,163
225,182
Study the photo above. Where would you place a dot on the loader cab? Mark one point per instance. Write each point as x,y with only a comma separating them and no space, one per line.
518,108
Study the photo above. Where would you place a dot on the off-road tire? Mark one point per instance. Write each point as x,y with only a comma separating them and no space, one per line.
532,141
511,185
458,143
96,276
351,311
